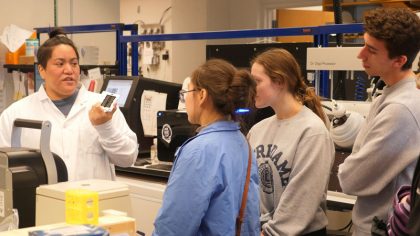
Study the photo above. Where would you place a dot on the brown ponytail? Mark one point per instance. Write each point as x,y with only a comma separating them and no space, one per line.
241,93
282,67
313,102
229,88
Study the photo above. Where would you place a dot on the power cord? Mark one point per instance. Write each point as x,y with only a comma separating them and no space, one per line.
347,227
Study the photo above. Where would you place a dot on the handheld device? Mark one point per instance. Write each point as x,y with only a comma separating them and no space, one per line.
109,100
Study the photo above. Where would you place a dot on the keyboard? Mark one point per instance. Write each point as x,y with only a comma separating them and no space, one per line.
164,167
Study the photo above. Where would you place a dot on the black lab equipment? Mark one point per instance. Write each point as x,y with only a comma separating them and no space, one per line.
173,129
22,170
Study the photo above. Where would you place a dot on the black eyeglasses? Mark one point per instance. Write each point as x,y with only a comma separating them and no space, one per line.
182,94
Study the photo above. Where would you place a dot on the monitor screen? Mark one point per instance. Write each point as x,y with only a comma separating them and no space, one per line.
124,86
120,87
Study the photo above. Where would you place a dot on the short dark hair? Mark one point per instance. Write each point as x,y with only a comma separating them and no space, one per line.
399,28
56,37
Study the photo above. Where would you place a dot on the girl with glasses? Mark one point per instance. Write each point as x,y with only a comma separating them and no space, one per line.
206,185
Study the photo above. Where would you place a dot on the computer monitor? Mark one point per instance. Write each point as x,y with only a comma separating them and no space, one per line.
127,87
131,108
172,91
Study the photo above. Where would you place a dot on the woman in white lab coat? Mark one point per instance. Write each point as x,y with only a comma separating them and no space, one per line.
89,140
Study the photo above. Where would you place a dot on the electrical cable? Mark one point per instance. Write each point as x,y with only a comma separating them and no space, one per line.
338,19
345,227
139,233
326,107
139,21
360,89
340,88
163,14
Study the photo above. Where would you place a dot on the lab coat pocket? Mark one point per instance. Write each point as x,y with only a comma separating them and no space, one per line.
89,139
90,155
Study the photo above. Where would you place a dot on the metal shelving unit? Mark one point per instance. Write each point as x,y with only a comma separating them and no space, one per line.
121,49
320,33
118,28
105,69
19,67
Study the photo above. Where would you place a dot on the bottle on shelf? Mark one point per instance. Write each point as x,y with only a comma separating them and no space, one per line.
153,152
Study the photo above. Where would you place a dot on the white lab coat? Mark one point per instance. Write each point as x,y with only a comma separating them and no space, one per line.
88,151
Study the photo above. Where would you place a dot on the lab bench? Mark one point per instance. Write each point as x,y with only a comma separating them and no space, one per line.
147,187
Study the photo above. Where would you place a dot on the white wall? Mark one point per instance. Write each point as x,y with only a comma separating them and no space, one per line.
188,16
26,14
85,12
232,15
150,12
244,14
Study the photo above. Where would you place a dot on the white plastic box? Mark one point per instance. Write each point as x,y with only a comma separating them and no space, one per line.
50,199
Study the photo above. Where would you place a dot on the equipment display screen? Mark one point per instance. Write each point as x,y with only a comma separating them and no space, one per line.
120,87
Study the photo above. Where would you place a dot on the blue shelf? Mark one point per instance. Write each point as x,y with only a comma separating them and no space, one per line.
316,30
118,28
320,34
84,28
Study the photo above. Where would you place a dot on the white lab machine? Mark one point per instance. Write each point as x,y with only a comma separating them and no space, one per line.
50,199
146,199
347,115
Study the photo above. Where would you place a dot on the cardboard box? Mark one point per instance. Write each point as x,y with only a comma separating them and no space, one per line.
26,60
118,225
114,225
13,57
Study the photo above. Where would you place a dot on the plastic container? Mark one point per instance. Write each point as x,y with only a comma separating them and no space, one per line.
82,206
32,46
111,195
153,152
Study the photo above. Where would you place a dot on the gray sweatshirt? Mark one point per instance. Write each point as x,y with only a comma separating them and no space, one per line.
295,156
384,154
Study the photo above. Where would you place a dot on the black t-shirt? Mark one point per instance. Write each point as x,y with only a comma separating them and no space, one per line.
414,221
